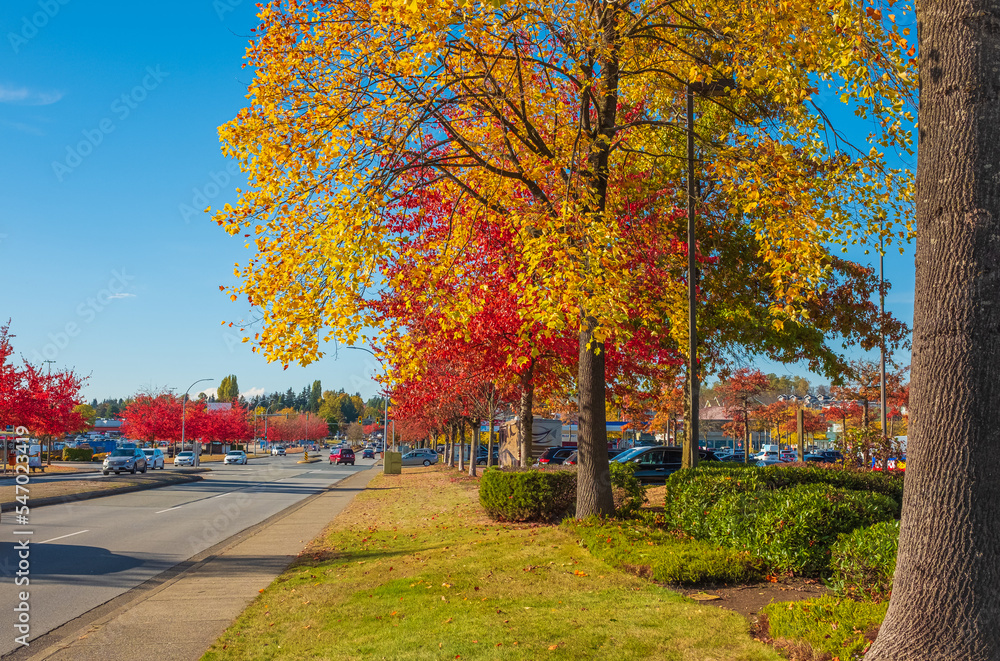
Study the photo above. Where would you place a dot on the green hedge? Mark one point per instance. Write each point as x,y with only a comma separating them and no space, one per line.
863,561
526,494
629,494
692,492
793,529
652,553
77,454
549,494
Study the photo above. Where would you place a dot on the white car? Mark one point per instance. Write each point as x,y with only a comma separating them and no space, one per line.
184,459
278,452
154,458
235,457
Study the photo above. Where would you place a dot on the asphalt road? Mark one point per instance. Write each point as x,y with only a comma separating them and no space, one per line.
84,554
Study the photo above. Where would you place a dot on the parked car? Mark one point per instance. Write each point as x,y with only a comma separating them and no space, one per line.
656,464
235,457
571,460
342,456
278,451
184,459
554,456
832,456
368,453
420,457
154,457
125,459
481,459
819,458
732,457
770,462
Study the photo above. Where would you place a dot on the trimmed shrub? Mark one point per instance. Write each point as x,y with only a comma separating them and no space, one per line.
691,493
527,495
838,627
654,554
793,529
863,561
77,454
628,491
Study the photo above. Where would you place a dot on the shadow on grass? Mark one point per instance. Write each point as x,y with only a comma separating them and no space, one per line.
315,557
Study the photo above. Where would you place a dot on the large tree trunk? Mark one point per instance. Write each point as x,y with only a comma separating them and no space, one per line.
461,445
449,446
474,456
945,601
527,404
593,481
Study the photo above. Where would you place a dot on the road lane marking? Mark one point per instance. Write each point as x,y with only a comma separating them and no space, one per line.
169,509
221,495
63,537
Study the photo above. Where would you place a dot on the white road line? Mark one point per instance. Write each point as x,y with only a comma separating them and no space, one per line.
63,537
219,496
170,509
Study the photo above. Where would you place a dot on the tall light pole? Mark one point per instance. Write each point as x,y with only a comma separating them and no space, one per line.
881,325
690,453
266,415
183,406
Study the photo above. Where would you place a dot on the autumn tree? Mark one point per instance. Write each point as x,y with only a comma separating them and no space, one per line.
229,389
740,393
540,118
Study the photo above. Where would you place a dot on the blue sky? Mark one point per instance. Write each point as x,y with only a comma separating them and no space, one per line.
108,119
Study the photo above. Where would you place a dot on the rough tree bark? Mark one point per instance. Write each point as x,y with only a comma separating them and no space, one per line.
593,491
449,447
946,595
527,403
474,456
461,444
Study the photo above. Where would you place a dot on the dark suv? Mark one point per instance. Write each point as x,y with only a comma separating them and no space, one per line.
342,456
655,464
554,456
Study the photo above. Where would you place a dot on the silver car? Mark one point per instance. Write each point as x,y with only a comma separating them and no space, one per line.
125,459
184,459
420,457
154,458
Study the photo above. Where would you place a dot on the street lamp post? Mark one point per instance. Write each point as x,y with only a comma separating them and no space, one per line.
183,406
690,455
267,414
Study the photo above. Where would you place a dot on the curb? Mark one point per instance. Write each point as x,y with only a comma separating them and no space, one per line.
100,493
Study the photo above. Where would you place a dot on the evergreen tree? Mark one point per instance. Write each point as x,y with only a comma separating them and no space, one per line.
228,390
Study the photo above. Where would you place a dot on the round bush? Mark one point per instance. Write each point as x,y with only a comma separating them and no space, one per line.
526,494
793,529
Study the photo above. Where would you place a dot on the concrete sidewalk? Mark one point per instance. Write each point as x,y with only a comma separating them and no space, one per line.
181,616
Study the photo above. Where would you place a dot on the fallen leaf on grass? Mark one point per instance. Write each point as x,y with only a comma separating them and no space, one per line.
703,596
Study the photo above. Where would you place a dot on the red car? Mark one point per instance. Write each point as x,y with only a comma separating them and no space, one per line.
342,456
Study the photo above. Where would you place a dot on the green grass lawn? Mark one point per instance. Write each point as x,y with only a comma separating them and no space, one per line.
413,570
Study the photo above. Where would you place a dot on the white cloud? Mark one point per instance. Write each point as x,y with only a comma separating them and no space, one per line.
24,96
253,392
122,295
209,392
